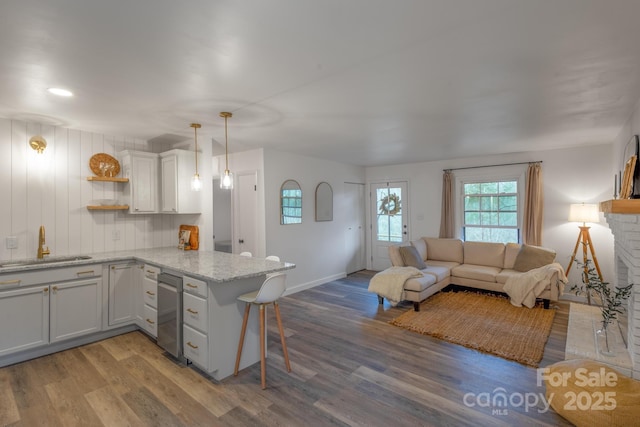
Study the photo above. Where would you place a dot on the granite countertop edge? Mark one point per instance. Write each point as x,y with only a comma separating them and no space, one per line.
205,265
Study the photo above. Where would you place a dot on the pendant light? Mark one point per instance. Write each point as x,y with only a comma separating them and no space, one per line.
196,184
226,181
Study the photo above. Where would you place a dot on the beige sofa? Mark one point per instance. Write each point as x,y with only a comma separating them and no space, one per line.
479,265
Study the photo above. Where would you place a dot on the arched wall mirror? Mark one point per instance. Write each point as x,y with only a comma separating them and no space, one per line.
324,202
290,203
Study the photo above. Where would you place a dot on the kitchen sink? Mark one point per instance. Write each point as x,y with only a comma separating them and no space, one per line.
48,260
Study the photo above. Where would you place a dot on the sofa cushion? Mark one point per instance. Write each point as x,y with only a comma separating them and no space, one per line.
505,274
531,257
419,284
511,251
421,246
395,257
411,257
444,249
484,253
477,272
446,264
439,272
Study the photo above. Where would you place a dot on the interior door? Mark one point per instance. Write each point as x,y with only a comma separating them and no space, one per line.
389,220
245,211
355,236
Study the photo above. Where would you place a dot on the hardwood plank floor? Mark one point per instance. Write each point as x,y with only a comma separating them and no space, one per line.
349,368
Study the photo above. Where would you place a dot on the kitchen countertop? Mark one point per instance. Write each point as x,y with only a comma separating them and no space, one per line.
206,265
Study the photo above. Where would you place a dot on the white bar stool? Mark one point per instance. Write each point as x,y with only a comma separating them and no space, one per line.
246,254
272,288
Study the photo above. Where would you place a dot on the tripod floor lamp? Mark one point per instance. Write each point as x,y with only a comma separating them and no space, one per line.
584,213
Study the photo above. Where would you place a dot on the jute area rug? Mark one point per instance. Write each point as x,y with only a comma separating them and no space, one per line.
483,322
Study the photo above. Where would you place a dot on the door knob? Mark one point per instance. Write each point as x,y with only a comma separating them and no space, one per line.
241,241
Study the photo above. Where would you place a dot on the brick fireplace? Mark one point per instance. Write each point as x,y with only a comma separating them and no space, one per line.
623,218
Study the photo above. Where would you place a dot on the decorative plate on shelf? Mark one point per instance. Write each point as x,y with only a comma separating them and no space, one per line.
103,164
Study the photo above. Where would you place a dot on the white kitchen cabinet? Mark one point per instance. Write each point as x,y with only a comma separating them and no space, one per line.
75,308
150,320
24,319
34,316
195,347
149,300
176,171
195,286
195,315
139,304
194,311
141,192
122,293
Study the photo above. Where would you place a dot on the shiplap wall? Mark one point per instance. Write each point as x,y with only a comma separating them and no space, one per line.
52,190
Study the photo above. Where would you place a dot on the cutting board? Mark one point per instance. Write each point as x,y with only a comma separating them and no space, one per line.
194,239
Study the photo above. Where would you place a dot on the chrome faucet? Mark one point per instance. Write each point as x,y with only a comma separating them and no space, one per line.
41,250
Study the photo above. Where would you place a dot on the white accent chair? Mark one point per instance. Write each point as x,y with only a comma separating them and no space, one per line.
271,289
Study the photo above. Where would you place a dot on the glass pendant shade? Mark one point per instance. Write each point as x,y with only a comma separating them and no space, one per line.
226,182
196,183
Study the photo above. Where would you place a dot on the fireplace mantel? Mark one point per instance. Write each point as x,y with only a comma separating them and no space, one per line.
621,206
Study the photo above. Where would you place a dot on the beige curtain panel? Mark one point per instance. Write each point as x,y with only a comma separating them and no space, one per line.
447,216
533,204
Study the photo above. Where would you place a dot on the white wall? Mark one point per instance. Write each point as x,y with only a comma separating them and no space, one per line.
52,190
624,140
317,248
245,162
569,175
221,212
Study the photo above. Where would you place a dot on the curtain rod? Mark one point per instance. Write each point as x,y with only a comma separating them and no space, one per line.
491,166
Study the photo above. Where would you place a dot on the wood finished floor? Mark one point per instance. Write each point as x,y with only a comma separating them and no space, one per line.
350,367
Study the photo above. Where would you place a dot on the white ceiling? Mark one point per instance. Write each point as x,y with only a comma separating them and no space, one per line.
366,82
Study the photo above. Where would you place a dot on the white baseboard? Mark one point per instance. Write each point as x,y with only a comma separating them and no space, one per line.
314,283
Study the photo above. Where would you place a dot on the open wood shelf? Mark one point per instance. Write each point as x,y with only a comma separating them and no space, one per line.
108,208
107,179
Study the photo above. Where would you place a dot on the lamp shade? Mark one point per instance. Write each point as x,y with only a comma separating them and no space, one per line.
581,212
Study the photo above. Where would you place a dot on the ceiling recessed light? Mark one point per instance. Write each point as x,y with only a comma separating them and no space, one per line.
59,91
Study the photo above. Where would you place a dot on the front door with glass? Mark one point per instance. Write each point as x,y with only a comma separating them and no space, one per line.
389,218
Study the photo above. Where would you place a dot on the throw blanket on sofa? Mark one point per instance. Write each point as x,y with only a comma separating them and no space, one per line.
390,282
524,288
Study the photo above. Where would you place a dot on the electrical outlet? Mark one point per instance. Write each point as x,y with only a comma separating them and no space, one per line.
12,242
115,234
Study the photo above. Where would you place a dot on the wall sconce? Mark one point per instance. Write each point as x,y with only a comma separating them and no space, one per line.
226,181
196,183
38,143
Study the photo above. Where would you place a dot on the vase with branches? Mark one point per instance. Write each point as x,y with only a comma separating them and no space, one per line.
610,299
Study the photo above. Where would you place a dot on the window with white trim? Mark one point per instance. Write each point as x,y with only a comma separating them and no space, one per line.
491,211
291,206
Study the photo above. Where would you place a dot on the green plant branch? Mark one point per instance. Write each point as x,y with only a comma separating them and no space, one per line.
611,298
